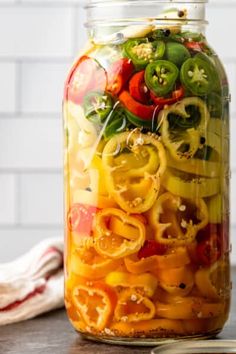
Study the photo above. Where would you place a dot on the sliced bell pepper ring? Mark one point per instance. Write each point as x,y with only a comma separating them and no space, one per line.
196,166
85,75
182,125
118,227
178,258
95,303
142,161
176,281
128,183
151,328
176,96
140,110
117,245
87,263
145,283
138,89
80,218
160,77
118,74
97,106
142,52
172,222
197,76
214,282
133,307
189,308
185,185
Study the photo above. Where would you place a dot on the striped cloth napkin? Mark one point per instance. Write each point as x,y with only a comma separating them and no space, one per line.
32,284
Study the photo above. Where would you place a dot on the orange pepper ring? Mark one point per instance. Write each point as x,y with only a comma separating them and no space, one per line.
191,229
136,298
128,246
145,282
92,271
173,260
108,301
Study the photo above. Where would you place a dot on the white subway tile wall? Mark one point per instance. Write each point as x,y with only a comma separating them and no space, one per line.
38,41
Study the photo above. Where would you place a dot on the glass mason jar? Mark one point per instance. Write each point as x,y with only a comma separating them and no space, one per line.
146,118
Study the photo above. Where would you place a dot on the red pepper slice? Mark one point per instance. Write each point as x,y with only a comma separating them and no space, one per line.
196,46
80,218
138,89
138,109
208,251
151,248
118,74
162,101
85,75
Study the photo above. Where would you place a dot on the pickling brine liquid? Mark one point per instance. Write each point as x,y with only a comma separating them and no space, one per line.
146,188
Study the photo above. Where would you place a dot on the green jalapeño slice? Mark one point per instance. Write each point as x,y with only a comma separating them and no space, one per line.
197,76
142,52
160,77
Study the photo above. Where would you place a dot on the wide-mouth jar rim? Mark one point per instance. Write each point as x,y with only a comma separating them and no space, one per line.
92,3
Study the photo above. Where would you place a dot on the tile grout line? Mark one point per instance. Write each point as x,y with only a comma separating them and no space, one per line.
18,87
17,199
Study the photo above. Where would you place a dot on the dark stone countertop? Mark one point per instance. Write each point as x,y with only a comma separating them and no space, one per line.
52,333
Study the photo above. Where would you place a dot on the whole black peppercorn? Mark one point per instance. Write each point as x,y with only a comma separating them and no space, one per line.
181,13
202,140
166,32
182,286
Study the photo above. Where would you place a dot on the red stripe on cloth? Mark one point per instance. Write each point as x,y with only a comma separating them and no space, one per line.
51,250
15,304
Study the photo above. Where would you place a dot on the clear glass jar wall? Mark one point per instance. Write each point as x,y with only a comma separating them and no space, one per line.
146,118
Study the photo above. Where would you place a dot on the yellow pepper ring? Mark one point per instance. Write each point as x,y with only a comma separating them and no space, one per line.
168,205
190,136
133,307
122,229
128,186
196,167
116,246
96,269
137,162
177,281
145,282
189,308
179,258
200,187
